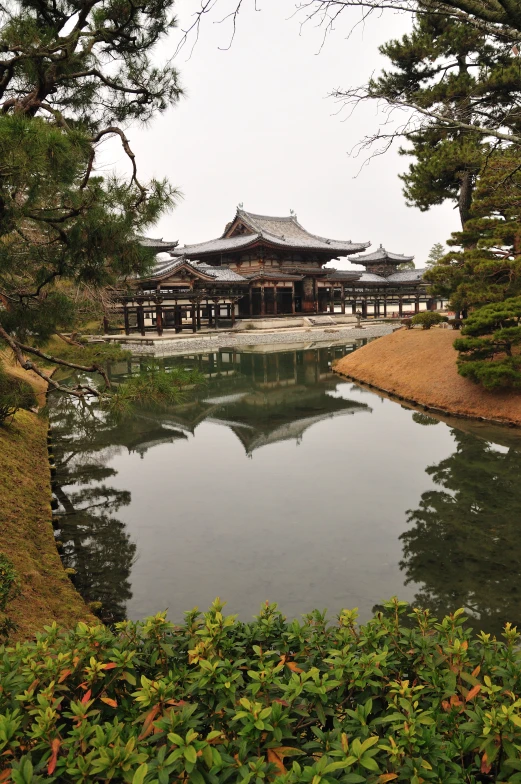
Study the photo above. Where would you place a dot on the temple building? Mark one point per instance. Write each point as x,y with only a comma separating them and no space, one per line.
265,266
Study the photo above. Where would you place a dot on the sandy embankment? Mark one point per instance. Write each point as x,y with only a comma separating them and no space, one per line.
419,366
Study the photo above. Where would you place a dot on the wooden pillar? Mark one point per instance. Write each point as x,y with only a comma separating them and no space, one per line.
274,300
194,319
250,300
125,317
263,302
385,308
332,299
400,307
216,315
159,319
376,308
141,319
293,309
209,311
315,295
232,313
105,325
198,314
177,318
417,305
364,308
343,303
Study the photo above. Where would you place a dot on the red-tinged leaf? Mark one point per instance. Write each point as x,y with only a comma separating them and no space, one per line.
64,674
472,693
148,723
109,666
109,701
86,697
445,705
273,757
387,777
293,667
465,645
282,702
5,776
55,747
476,671
76,660
33,685
485,767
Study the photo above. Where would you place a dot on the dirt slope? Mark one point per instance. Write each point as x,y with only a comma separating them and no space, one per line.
420,366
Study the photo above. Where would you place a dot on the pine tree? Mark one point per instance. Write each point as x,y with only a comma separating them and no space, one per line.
435,254
485,264
448,64
62,94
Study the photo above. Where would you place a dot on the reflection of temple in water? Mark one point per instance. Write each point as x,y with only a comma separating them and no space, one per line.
262,394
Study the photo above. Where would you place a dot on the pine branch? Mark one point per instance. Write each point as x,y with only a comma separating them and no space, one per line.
81,390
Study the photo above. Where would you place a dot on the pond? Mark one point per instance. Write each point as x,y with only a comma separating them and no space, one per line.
279,480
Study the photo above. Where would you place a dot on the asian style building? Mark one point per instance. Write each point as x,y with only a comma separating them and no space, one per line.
264,266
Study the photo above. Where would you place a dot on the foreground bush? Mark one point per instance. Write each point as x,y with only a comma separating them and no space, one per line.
404,698
15,394
489,352
427,319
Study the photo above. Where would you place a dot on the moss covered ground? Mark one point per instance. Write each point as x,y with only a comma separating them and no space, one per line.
26,534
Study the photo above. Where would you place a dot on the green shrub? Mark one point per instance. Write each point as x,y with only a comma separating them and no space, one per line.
428,319
15,393
406,322
404,698
489,352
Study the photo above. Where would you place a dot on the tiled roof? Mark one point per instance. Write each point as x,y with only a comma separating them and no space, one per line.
283,232
221,273
381,255
407,276
169,266
159,245
370,277
344,275
216,246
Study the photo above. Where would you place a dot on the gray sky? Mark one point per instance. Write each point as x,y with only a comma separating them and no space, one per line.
256,126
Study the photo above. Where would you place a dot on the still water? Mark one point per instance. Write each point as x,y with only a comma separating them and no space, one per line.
279,480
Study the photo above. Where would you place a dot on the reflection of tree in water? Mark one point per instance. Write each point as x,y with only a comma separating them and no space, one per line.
95,543
465,547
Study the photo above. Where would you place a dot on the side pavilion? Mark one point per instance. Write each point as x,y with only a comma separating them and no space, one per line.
266,266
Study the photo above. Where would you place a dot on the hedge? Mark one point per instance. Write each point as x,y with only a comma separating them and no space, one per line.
404,698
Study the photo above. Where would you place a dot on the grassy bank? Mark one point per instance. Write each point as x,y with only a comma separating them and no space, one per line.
420,367
26,534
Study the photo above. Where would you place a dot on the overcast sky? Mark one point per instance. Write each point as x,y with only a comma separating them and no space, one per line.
256,126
